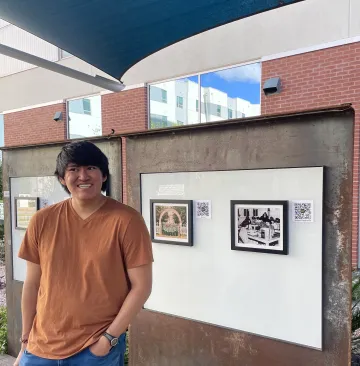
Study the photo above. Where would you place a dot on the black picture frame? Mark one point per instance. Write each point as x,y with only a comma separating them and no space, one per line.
156,237
26,216
272,238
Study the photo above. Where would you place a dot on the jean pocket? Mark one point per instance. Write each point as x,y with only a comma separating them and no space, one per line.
100,357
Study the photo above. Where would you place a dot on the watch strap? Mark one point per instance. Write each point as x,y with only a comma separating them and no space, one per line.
112,340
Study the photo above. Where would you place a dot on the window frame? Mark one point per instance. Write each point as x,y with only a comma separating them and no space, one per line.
164,100
178,104
67,110
218,110
61,55
198,75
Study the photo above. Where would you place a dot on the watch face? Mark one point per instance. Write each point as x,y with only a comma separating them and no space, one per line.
114,342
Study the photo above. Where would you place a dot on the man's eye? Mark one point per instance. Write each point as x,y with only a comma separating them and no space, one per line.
92,167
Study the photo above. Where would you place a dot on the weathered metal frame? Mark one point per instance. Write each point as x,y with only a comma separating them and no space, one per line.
317,138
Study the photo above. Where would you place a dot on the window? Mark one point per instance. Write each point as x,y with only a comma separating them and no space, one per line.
237,89
87,106
180,109
180,102
163,96
84,117
158,121
218,110
64,54
207,97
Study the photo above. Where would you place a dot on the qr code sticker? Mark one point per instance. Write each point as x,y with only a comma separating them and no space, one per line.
303,211
203,209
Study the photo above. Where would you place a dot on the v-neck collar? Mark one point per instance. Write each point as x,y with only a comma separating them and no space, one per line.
94,214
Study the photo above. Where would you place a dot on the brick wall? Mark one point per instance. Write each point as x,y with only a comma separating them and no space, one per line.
34,126
125,111
319,79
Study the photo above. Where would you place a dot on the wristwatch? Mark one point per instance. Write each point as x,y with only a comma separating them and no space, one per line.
113,340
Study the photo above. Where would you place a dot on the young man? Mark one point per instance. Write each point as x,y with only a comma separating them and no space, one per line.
89,269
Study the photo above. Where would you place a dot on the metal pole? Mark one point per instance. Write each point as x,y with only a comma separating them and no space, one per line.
100,81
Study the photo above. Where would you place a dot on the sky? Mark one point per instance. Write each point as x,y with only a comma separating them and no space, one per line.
242,82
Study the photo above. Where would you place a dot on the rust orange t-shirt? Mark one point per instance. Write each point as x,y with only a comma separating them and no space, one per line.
83,281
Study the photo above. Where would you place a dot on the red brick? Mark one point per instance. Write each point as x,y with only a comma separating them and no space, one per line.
125,111
320,79
34,126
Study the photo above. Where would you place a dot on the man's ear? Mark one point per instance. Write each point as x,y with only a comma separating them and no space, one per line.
104,179
62,181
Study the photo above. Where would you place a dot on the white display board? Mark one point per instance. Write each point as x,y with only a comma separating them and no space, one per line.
276,296
49,191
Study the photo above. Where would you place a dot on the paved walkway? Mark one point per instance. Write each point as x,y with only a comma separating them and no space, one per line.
6,360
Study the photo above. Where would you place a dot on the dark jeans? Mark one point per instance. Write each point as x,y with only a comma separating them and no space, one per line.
85,358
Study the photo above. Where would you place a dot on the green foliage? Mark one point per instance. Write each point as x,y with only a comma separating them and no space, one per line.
355,324
2,245
127,350
3,330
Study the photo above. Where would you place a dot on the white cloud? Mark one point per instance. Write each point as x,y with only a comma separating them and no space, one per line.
249,73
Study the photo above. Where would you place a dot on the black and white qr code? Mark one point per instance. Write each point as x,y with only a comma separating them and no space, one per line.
203,209
303,211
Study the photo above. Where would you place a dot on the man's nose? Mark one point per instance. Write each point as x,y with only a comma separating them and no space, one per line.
83,174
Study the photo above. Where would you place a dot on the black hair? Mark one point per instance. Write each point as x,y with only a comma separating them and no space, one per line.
83,153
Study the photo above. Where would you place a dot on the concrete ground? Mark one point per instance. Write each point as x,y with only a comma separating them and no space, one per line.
6,360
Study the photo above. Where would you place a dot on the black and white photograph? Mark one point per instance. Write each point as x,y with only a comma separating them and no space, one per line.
259,226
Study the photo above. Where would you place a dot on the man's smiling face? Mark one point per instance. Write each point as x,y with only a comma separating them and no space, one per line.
83,182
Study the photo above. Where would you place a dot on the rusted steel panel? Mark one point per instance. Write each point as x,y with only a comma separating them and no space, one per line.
312,139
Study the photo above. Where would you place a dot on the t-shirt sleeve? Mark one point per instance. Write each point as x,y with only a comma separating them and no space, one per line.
137,244
29,249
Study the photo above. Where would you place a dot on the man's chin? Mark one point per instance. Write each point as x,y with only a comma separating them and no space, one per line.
85,195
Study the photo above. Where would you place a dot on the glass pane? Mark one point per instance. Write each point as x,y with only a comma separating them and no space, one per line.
85,117
173,103
231,93
64,54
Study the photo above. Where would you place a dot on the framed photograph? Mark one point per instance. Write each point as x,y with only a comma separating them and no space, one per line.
25,208
171,222
259,226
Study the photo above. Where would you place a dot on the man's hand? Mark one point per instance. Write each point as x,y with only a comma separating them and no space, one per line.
101,347
17,361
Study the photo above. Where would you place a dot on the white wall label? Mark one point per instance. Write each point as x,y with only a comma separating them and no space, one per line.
171,190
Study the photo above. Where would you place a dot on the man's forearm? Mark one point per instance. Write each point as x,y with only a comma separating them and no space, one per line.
28,307
130,308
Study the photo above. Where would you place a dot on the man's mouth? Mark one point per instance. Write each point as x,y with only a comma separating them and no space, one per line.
84,186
